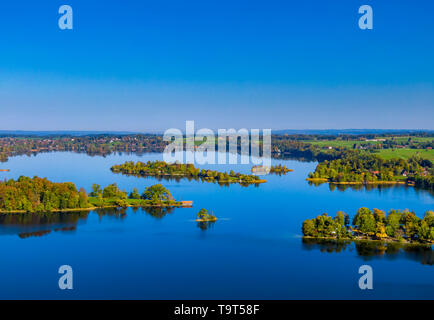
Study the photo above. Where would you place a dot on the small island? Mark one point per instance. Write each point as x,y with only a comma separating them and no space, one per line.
30,195
279,169
204,216
178,170
398,226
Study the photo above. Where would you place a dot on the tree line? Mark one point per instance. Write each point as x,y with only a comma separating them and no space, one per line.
367,168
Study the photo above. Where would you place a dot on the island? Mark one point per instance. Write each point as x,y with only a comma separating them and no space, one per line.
401,226
29,195
178,170
204,216
358,168
277,169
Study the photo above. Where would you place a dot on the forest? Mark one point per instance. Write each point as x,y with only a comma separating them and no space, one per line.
41,195
367,168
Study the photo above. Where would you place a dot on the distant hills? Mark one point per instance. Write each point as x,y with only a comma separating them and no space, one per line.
61,133
283,131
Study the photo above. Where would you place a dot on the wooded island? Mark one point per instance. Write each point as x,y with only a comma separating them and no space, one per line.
401,226
164,169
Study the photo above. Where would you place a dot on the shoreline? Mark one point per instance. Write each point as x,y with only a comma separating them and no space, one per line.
206,220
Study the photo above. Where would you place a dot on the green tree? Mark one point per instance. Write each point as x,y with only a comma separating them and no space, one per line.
308,228
134,194
364,220
96,190
393,223
157,193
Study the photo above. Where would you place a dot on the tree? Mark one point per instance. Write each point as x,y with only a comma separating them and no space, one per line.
96,190
411,224
112,191
134,194
393,223
340,218
308,228
82,198
380,216
365,221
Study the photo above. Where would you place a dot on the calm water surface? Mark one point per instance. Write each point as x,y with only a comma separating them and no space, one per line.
254,250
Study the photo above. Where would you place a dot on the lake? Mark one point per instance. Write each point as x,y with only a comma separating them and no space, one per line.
254,250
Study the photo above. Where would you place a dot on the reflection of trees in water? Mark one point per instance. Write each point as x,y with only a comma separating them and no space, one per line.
158,212
41,233
289,157
374,249
325,245
189,178
42,218
121,213
204,225
40,224
111,212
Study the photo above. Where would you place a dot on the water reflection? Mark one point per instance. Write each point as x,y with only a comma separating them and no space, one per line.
188,178
374,249
368,187
27,225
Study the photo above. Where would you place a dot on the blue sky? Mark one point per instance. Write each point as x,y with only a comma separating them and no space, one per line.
152,65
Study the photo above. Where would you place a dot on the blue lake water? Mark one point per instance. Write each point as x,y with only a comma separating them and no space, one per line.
254,250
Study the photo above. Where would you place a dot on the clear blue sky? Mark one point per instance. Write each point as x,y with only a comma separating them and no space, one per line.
151,65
